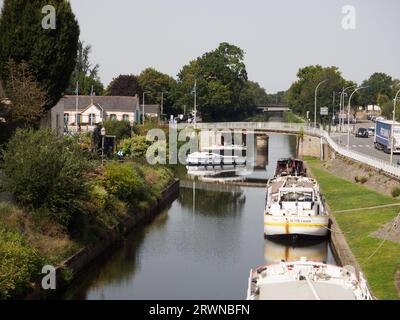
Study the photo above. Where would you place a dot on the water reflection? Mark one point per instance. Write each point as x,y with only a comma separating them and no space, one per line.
211,199
202,247
275,251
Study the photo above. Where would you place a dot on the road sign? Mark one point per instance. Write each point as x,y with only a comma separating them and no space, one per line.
324,111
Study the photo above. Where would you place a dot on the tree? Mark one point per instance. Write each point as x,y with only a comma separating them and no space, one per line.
279,97
300,95
124,85
85,73
26,99
121,129
49,53
155,82
378,84
46,173
253,94
220,76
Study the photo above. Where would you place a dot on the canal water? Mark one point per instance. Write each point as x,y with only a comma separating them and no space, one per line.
201,247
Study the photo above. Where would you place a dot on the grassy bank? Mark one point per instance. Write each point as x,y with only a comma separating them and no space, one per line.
29,240
359,225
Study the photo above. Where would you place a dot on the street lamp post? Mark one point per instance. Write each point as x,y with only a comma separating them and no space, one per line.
102,133
348,115
341,109
143,107
315,102
162,103
392,133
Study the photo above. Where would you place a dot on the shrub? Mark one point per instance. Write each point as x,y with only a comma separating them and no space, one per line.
395,192
120,129
20,264
125,181
135,147
46,173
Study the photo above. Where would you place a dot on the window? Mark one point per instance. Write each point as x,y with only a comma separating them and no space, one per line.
66,118
113,117
125,117
92,119
78,118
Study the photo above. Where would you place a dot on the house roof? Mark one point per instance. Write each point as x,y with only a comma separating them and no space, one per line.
151,108
108,103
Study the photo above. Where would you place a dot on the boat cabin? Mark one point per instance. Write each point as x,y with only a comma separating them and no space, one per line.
290,167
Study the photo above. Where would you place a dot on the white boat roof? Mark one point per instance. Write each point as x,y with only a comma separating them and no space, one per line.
300,290
296,189
226,147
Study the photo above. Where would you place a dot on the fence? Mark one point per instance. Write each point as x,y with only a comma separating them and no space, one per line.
385,166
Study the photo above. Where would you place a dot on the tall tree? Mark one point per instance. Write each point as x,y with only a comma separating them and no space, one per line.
26,99
155,82
124,85
85,73
279,97
300,95
220,76
377,85
49,53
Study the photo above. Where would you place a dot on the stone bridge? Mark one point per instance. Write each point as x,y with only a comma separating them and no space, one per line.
317,141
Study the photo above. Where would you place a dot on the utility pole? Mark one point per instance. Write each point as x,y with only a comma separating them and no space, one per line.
143,108
392,133
76,105
195,104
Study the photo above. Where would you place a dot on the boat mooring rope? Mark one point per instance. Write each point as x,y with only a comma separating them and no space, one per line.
384,240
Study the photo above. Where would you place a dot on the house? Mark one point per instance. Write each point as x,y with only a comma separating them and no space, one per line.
53,119
88,111
91,110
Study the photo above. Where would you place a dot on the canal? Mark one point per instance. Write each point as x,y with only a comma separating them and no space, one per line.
201,247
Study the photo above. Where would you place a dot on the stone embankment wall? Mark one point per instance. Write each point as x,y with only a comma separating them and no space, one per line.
81,259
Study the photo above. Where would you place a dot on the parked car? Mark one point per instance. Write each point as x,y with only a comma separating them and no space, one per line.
362,133
371,131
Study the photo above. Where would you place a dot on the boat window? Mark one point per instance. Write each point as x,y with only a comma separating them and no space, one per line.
290,196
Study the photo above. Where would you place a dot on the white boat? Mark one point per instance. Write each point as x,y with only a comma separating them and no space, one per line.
306,280
294,207
227,150
211,161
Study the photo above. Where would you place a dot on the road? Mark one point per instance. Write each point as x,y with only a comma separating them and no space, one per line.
365,145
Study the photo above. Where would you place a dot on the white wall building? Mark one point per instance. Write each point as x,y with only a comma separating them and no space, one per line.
89,111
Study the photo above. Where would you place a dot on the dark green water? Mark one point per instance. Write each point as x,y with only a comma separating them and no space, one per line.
202,247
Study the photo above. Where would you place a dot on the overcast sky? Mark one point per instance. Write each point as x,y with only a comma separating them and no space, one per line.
278,37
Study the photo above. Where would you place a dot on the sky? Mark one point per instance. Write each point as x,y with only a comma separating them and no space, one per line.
278,37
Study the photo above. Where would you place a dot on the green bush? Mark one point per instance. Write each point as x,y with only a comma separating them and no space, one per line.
125,181
120,129
20,265
135,147
46,173
395,192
